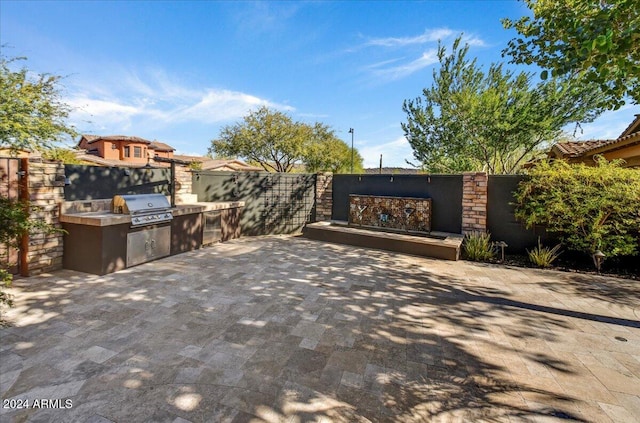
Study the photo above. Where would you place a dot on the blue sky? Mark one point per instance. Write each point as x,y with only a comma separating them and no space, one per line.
177,71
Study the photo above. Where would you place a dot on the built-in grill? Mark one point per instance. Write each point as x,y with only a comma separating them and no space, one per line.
145,209
149,237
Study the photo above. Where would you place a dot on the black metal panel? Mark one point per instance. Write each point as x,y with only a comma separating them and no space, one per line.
445,192
501,220
93,182
275,203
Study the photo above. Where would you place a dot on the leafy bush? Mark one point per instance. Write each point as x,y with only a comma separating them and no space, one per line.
588,208
14,219
15,222
195,165
543,256
64,155
478,246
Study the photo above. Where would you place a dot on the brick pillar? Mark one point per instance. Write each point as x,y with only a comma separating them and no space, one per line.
46,194
474,202
324,196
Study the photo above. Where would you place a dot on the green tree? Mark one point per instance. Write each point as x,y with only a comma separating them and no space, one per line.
61,154
597,38
470,121
32,115
272,140
267,137
588,208
327,153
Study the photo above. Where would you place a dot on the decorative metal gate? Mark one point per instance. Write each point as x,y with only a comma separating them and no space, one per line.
11,171
275,203
288,202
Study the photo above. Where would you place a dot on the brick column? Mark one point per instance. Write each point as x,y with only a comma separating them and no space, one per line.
474,202
46,193
324,196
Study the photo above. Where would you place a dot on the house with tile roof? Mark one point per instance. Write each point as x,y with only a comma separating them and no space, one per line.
124,148
131,151
625,147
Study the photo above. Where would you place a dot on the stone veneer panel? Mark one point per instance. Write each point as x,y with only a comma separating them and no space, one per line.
390,212
324,196
46,193
183,180
474,202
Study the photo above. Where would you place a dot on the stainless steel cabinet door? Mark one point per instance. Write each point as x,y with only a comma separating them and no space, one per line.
148,244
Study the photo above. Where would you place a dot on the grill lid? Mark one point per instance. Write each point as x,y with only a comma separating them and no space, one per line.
140,204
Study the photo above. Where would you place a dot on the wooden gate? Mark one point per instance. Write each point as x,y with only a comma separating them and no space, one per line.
13,183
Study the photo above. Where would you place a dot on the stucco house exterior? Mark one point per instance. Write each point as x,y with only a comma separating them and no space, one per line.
625,147
124,148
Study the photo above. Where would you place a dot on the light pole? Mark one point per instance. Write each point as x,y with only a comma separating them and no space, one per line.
351,132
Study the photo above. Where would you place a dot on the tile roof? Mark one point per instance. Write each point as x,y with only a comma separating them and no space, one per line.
160,146
578,148
92,158
93,138
633,128
574,149
213,164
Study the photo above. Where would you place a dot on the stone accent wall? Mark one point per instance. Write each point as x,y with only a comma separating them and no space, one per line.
324,196
183,180
474,202
46,194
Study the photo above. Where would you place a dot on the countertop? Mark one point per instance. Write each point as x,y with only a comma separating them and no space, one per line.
106,218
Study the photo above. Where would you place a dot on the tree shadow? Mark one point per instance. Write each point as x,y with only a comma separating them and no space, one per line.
620,291
281,329
275,203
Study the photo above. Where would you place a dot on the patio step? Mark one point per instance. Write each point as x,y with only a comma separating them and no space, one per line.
439,245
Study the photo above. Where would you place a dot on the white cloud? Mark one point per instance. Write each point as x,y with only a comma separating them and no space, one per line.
222,105
609,125
429,35
400,71
393,153
388,68
474,41
102,112
123,99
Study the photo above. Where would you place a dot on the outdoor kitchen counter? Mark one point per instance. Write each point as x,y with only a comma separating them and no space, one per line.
107,218
98,241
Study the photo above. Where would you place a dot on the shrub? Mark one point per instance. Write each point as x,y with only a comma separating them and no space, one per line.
543,256
14,219
195,165
478,246
586,207
64,155
14,222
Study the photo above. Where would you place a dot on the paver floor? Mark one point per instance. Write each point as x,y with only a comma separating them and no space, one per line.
283,329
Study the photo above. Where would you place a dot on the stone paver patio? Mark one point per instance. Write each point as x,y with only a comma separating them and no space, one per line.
283,329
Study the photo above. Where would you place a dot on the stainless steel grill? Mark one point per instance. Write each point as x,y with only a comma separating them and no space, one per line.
145,242
145,209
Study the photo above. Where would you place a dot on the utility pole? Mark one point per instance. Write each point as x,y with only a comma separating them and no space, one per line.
380,164
351,132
